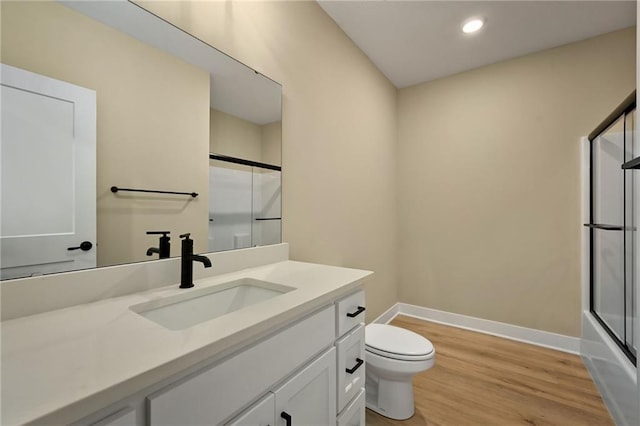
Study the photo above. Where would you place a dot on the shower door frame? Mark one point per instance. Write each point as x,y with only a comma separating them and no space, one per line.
626,107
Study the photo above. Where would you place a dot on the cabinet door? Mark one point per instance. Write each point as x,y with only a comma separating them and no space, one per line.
262,413
309,397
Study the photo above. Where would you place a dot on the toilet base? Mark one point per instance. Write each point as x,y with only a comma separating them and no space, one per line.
390,398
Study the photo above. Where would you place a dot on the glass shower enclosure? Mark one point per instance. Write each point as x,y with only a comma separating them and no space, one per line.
244,203
612,229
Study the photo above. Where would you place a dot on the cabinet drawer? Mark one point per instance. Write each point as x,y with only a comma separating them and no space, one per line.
351,368
212,395
350,312
354,414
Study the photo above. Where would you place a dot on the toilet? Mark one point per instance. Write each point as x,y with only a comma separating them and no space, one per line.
393,356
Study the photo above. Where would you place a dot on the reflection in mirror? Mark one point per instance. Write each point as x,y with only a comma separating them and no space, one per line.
244,205
144,103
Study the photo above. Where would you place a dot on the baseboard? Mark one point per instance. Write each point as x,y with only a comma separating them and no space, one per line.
388,315
545,339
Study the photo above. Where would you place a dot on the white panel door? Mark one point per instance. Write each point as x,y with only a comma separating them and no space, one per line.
309,397
48,175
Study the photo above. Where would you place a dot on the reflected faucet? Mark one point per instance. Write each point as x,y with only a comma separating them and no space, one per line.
164,247
186,273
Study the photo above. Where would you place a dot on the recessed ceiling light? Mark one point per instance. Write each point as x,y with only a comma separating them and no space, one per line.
473,25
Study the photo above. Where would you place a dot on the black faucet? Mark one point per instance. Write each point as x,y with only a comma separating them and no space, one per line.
164,249
186,273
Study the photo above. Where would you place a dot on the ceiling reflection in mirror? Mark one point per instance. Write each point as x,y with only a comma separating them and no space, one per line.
98,95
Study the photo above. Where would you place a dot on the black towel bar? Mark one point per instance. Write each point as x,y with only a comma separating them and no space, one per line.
115,189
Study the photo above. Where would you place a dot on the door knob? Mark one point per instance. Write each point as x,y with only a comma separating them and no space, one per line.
84,246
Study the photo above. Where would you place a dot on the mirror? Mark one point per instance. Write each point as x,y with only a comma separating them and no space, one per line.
97,95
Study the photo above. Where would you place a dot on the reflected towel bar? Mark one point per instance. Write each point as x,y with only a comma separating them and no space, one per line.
115,189
244,162
609,227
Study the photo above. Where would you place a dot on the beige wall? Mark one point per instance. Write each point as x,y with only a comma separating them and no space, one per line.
233,136
489,182
272,143
338,130
153,127
237,137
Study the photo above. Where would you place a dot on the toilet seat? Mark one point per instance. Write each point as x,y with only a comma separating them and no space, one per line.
397,343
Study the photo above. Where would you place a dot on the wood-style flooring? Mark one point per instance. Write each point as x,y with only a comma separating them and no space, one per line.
481,380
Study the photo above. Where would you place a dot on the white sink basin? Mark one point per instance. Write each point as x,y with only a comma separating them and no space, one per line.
193,307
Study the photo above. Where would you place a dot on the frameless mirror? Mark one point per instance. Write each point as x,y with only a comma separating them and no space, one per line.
103,98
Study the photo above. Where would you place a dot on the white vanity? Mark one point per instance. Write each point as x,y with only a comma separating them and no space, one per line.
291,352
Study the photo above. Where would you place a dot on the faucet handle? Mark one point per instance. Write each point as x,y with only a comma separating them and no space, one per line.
185,236
164,233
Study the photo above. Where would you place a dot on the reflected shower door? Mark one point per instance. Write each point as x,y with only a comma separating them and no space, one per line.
230,206
267,207
245,205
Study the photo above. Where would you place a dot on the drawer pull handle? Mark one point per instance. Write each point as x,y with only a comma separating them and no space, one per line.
359,362
356,313
287,418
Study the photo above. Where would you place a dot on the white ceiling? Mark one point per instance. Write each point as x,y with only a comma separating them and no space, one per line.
416,41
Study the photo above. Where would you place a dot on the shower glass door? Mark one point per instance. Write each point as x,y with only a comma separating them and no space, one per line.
608,300
613,232
630,220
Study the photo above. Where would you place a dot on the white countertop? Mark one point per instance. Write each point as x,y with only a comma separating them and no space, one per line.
62,365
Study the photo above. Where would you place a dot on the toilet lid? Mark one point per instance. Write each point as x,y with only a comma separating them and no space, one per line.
395,342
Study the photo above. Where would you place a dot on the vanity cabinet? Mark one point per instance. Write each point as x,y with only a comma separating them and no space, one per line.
302,374
210,396
286,353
